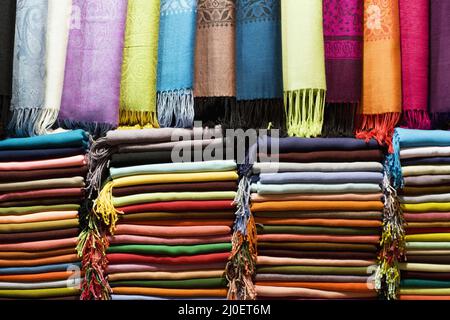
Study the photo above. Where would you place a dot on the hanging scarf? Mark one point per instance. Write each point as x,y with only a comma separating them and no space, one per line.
28,94
138,85
259,81
215,74
303,66
343,31
176,63
381,103
7,26
94,55
440,64
414,28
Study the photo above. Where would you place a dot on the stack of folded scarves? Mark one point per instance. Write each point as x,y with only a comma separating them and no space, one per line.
423,178
171,238
41,189
317,205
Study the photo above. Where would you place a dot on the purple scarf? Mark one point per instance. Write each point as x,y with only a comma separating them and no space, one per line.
343,32
93,66
440,64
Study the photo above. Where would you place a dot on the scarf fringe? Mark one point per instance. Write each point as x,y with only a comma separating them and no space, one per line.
28,122
416,119
242,261
394,163
176,108
440,120
304,112
98,159
132,119
392,242
339,120
104,208
96,129
256,114
379,127
211,110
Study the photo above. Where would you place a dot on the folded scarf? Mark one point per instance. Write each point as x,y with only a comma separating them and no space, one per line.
369,215
176,217
120,160
320,177
42,194
176,146
131,239
427,180
412,153
7,27
38,277
140,56
326,156
166,275
93,66
171,232
72,161
39,245
258,66
434,259
340,287
39,293
426,161
174,293
43,174
33,209
39,269
318,238
424,190
426,198
343,33
173,284
40,202
317,246
29,76
192,223
175,97
42,216
414,31
313,230
426,207
36,255
69,283
40,184
425,170
316,206
424,267
310,278
427,246
173,187
272,292
318,222
118,258
134,271
263,167
303,66
333,270
314,188
381,100
408,138
431,292
39,226
180,206
429,216
215,59
341,255
204,166
189,250
37,262
439,64
423,297
314,197
428,237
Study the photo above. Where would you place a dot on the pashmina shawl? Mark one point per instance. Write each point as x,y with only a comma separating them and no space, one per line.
140,55
215,60
343,33
175,96
382,92
29,76
303,66
259,80
94,55
7,27
414,34
440,64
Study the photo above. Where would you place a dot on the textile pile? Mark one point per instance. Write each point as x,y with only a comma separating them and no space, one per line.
41,189
421,171
317,205
170,219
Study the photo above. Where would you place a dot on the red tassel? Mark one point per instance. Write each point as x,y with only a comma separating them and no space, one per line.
379,127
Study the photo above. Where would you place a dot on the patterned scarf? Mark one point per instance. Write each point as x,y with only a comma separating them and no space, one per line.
176,63
28,95
259,78
138,85
94,56
215,74
382,91
7,26
440,64
343,31
414,30
303,66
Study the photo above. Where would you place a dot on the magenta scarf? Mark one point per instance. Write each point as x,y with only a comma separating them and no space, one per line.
414,35
343,33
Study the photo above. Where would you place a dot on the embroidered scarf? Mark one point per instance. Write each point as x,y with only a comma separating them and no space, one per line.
440,64
259,79
414,34
176,63
138,85
7,26
343,32
94,56
303,66
215,73
28,94
382,95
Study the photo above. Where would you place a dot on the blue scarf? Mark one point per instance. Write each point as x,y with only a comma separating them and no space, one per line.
176,63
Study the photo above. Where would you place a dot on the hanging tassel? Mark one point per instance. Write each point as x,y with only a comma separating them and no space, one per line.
304,112
379,127
339,120
416,119
29,122
176,108
211,110
394,163
440,120
132,119
96,129
98,158
104,208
